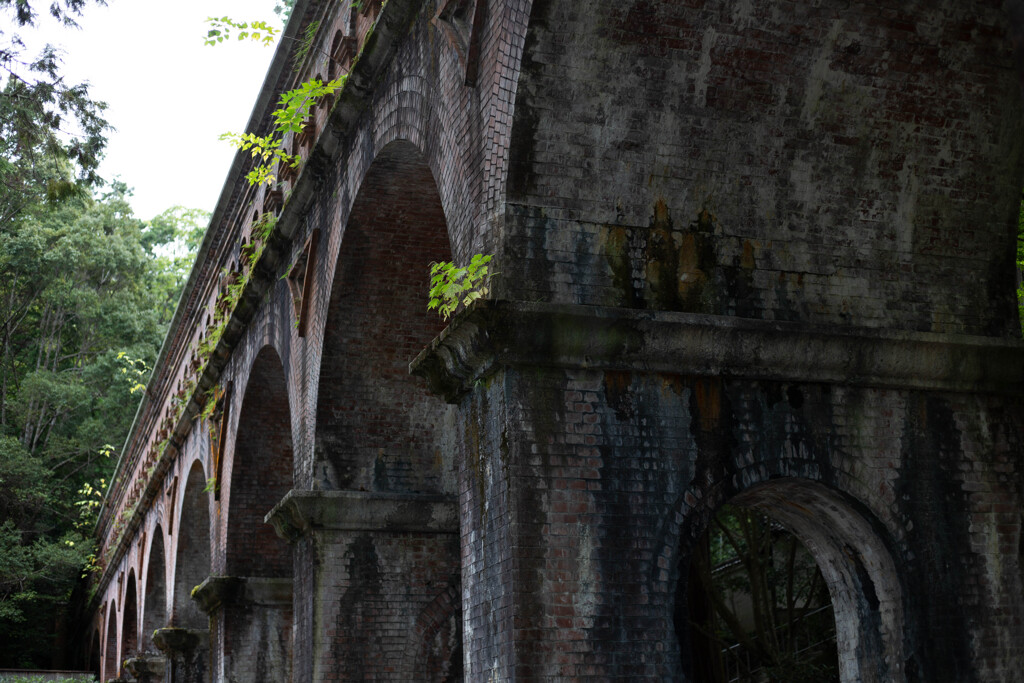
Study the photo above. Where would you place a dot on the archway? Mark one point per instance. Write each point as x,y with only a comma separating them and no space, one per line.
192,559
856,567
154,611
129,621
261,473
380,438
759,606
254,632
110,656
95,662
377,426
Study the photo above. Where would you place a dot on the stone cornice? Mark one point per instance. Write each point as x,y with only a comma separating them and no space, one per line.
173,640
301,512
492,334
218,591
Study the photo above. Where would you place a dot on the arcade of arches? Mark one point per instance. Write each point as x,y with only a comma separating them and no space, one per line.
744,394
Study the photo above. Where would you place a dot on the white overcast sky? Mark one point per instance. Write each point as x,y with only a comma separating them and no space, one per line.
168,95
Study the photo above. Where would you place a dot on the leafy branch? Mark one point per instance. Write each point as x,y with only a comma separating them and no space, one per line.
222,29
290,116
452,286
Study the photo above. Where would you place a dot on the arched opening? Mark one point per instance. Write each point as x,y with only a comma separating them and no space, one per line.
261,473
759,606
255,637
380,433
192,560
110,656
377,426
786,518
129,621
154,610
94,655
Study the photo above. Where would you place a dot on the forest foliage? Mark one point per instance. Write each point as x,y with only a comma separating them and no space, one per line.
86,293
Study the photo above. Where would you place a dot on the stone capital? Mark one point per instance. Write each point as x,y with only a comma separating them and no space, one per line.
302,512
493,334
216,592
146,668
174,641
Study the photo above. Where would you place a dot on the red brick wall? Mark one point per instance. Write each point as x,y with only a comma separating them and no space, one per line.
583,492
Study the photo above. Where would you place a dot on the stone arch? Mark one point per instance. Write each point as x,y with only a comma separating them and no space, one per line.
95,661
129,620
437,640
110,651
414,115
154,604
850,549
261,472
376,426
383,469
192,558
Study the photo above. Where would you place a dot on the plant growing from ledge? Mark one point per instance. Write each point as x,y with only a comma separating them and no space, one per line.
290,116
293,109
452,286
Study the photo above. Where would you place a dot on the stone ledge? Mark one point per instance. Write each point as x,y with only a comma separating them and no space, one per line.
301,512
491,334
219,591
146,668
173,640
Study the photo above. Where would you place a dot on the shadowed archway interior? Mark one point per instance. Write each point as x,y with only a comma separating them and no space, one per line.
192,564
857,568
155,604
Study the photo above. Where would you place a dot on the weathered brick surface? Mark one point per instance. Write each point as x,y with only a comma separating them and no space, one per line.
852,171
824,163
583,492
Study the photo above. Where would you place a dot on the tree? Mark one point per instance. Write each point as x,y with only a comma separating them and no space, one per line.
52,135
86,294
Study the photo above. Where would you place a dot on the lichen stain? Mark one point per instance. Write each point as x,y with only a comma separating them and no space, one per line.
708,393
474,457
614,241
673,383
696,265
747,259
616,388
692,278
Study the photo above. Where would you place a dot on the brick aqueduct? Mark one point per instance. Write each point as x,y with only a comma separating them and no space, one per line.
747,252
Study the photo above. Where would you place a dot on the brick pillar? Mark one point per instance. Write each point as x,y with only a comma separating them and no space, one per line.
187,651
147,668
377,579
251,620
564,576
